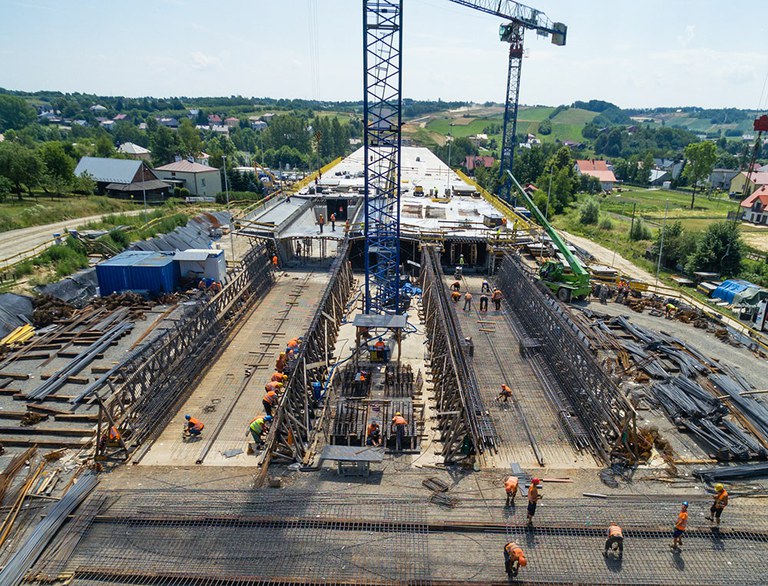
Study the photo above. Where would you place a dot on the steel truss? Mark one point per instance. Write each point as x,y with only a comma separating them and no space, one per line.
594,398
146,386
461,413
289,435
513,33
382,38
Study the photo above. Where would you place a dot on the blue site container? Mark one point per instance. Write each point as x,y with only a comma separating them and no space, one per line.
138,270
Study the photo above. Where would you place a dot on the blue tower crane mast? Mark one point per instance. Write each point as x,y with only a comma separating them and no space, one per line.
521,18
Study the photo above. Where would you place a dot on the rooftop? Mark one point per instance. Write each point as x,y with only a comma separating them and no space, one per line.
186,167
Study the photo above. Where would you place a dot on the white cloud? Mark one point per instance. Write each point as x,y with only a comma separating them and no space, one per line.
202,61
687,35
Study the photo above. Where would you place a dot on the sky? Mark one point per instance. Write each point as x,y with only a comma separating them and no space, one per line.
641,53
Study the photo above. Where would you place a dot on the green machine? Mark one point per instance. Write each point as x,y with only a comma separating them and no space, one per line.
566,285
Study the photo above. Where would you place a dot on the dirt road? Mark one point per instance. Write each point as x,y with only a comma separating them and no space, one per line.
21,242
610,258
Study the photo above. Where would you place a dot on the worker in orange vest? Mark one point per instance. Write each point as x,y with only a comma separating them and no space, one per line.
274,260
273,386
373,435
281,363
279,377
680,525
346,227
514,558
398,427
510,487
194,426
615,540
293,345
332,218
269,401
321,222
505,393
721,501
455,296
496,298
533,499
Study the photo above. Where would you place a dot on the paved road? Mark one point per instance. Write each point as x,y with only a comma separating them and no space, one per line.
22,240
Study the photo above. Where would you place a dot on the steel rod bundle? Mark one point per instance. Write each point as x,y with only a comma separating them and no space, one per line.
27,554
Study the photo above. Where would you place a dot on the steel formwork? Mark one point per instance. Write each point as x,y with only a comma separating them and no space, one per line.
382,60
145,387
565,355
289,435
461,414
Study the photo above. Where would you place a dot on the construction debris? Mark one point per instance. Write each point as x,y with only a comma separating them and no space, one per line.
50,310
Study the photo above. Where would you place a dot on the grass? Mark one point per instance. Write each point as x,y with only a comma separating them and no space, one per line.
39,211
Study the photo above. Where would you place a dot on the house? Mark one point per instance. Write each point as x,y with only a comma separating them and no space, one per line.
478,139
599,169
201,180
479,161
97,108
721,178
232,122
755,180
267,117
168,122
659,176
134,151
674,167
108,124
120,117
214,120
256,123
127,178
754,208
574,145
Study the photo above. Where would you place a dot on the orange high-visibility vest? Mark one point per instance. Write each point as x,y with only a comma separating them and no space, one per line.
399,420
682,521
721,499
533,494
510,485
615,531
271,397
196,423
515,551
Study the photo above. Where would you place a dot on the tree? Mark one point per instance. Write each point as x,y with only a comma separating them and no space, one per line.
545,127
678,244
20,165
15,113
639,231
104,146
164,144
718,250
701,158
589,212
59,167
191,144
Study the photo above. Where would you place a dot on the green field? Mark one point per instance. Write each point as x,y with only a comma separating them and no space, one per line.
38,211
567,125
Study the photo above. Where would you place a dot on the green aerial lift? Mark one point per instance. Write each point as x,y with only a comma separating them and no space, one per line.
565,285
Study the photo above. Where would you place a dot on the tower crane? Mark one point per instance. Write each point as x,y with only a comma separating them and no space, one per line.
520,18
382,120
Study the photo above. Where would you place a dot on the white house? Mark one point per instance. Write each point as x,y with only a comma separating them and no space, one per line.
599,169
134,151
755,207
201,180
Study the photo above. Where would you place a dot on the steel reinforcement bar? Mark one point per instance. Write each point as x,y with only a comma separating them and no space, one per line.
157,376
565,355
289,434
461,413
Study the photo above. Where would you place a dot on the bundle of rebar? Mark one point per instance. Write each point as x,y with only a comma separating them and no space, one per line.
27,554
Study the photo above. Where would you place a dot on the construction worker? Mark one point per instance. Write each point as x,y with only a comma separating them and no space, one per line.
270,401
510,487
680,525
461,260
533,499
398,427
258,426
215,287
293,345
373,435
456,286
321,222
274,260
467,301
483,302
486,287
279,377
332,218
496,297
194,426
669,310
514,559
273,386
505,393
615,539
346,226
282,362
298,249
455,296
721,501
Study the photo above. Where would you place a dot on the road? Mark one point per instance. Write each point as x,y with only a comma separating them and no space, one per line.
610,258
24,240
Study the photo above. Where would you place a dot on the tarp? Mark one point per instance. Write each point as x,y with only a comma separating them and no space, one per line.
739,292
15,311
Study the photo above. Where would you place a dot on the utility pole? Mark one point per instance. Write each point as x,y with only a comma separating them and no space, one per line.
143,190
549,191
661,241
632,225
231,216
